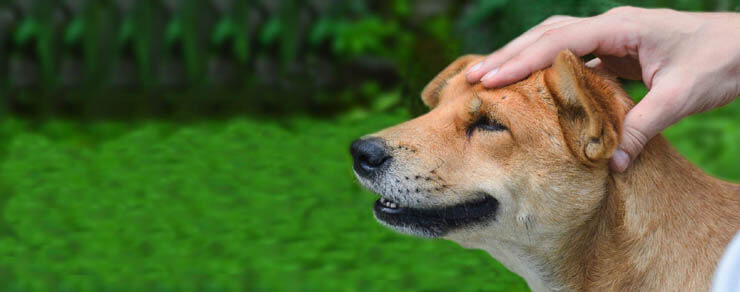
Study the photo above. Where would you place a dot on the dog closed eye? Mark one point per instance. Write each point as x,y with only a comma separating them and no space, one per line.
486,124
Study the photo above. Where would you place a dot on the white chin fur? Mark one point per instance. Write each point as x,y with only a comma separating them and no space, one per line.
405,229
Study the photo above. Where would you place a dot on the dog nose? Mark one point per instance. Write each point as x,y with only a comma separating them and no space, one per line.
370,156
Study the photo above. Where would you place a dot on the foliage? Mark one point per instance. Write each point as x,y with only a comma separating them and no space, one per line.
71,52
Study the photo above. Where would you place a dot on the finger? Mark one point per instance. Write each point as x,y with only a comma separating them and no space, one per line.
499,56
595,64
659,109
581,38
512,48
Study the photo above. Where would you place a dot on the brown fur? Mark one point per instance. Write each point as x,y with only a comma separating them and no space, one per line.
566,222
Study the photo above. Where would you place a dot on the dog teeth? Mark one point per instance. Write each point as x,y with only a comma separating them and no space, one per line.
388,203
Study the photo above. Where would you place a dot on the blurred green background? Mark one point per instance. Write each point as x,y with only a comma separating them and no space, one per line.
159,145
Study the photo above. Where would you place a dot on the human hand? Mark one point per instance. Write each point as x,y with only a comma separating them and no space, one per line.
690,62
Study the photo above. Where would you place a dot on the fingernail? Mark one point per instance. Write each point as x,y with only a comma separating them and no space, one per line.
489,74
620,160
475,67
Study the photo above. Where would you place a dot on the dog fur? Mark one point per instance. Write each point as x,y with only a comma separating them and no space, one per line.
564,222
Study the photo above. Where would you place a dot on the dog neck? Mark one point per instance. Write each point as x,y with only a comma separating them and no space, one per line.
661,226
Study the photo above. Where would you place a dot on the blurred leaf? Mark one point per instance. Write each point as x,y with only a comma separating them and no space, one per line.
483,10
174,32
74,31
385,101
363,37
271,31
323,29
402,7
224,29
26,31
128,29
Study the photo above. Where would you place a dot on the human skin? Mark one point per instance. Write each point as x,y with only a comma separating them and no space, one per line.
690,62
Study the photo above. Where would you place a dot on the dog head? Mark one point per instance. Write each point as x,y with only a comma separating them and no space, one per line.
514,166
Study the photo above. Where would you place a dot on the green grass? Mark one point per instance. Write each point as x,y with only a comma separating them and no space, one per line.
236,204
239,204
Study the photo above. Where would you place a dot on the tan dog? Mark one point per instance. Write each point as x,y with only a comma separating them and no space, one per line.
521,172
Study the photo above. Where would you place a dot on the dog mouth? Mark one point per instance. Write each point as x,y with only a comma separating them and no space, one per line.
438,221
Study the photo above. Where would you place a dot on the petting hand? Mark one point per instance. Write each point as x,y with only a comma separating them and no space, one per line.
690,62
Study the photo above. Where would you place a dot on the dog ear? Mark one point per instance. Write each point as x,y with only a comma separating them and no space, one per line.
431,93
590,108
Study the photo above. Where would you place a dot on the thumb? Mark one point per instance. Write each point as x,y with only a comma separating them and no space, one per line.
659,109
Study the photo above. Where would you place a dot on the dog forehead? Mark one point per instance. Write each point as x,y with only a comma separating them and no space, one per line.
527,92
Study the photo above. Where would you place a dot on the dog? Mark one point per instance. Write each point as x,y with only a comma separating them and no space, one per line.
522,172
